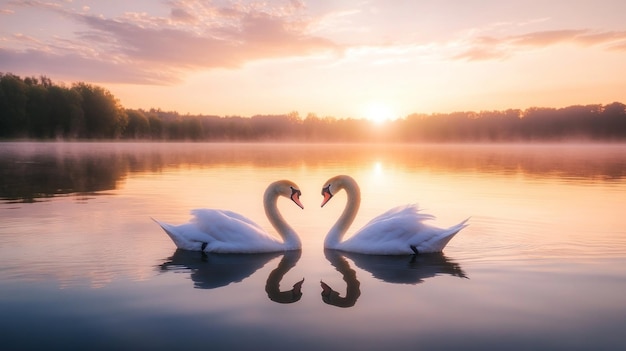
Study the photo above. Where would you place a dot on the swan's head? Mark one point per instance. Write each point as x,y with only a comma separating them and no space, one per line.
333,185
289,190
327,194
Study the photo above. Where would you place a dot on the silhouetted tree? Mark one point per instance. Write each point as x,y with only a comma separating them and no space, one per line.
156,127
13,115
138,125
38,111
612,121
103,115
192,128
35,107
66,112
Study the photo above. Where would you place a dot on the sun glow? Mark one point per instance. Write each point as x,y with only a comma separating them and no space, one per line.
379,112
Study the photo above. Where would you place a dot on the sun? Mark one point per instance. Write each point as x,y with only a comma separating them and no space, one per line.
378,112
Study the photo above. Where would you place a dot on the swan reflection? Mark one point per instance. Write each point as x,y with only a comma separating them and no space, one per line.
272,284
353,286
406,269
212,270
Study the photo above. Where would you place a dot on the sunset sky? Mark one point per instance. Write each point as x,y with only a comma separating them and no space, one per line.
372,59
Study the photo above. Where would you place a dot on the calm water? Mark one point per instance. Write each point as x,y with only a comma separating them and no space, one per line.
541,266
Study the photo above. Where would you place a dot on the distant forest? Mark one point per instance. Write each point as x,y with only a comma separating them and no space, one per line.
36,108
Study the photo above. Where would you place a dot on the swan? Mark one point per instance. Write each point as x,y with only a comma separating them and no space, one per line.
220,231
398,231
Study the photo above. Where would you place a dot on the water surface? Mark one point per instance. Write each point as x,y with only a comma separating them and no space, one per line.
541,266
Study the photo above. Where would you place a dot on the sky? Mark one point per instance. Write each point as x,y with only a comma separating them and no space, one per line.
379,59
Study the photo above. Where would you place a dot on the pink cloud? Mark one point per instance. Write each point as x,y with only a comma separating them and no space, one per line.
545,38
195,36
612,39
488,48
86,69
181,15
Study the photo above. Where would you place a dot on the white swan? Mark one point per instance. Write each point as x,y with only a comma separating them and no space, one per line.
398,231
222,231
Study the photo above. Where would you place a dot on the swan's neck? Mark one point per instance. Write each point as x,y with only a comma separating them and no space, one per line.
290,237
336,233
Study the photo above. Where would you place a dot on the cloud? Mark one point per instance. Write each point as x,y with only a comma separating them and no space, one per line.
482,54
545,38
618,47
489,48
612,39
139,48
84,69
181,15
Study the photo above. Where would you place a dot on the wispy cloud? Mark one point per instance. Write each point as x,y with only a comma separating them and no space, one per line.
196,36
490,47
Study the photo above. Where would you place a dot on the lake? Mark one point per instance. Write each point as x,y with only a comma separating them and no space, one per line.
542,264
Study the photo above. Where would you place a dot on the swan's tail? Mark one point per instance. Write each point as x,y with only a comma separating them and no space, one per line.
458,227
438,242
169,230
182,236
452,231
166,227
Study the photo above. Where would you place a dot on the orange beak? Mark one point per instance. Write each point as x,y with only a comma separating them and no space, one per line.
327,196
296,198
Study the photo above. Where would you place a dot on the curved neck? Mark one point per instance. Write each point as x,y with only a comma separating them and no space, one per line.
336,233
290,237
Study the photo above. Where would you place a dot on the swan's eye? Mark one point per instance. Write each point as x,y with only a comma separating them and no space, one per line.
295,191
326,190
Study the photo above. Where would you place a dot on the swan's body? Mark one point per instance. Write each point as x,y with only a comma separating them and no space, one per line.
220,231
398,231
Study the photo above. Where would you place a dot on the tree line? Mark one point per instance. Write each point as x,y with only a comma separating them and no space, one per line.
37,108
